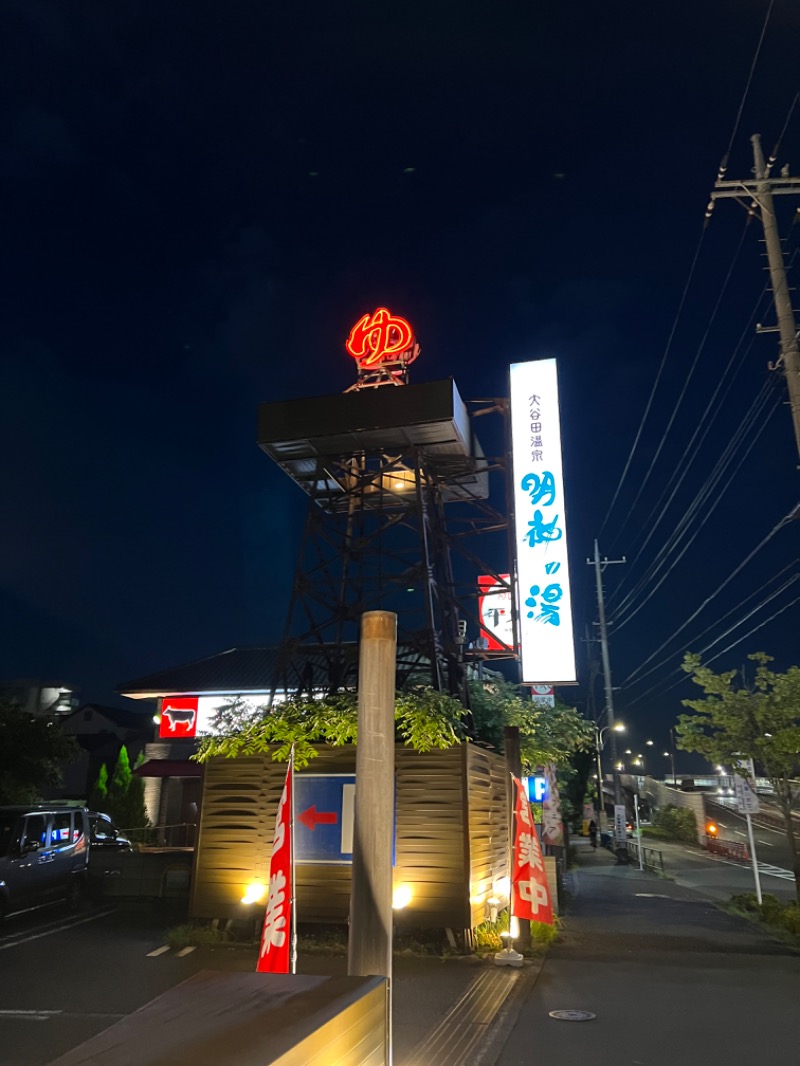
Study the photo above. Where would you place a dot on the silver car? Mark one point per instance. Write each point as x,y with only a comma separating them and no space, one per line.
44,856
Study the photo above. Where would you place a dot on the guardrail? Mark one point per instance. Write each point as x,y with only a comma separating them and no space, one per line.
652,858
729,849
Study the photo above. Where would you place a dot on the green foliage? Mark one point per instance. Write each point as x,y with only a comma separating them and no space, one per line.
487,935
125,799
546,734
184,936
734,720
121,779
676,823
760,720
772,911
32,750
424,720
98,797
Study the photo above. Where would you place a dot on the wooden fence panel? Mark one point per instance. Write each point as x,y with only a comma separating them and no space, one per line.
436,809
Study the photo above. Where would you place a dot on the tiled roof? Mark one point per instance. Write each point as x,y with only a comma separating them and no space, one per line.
126,718
237,670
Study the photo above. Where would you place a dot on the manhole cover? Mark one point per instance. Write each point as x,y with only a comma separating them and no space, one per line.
572,1015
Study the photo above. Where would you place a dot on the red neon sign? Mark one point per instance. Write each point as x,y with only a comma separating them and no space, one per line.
380,338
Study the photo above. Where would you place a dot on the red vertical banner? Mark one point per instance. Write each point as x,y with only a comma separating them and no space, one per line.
530,894
275,955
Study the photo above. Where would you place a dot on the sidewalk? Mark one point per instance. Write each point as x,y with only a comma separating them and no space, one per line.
670,978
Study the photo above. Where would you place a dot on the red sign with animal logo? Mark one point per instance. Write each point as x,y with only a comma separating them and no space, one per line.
178,717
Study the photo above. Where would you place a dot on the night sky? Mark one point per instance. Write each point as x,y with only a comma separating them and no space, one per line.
199,199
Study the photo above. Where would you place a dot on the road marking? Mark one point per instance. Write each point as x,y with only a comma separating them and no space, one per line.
158,951
57,929
766,843
187,950
653,895
30,1015
763,868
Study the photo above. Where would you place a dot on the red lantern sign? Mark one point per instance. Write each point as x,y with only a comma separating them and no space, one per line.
178,717
381,338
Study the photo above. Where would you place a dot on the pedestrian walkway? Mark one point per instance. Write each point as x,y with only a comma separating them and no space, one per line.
670,978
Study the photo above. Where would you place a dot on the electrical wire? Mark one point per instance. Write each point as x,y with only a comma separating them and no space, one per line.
713,625
668,347
794,513
749,82
753,630
651,522
658,686
687,381
728,377
779,141
687,526
662,364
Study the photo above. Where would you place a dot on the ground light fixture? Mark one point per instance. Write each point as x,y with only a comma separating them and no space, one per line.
254,892
401,897
508,956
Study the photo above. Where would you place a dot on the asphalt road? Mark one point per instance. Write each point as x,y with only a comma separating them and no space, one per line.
669,978
64,978
772,848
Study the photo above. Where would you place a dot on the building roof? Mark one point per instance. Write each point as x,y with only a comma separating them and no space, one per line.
124,718
236,671
253,671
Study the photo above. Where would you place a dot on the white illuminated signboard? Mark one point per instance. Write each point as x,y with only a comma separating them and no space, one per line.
547,647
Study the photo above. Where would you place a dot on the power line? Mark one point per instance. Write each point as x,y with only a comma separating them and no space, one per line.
754,629
794,513
657,380
696,256
713,625
711,484
749,82
657,687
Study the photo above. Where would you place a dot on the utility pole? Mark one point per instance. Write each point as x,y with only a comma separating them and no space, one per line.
599,567
760,190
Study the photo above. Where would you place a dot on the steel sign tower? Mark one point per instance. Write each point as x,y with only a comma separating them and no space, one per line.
399,505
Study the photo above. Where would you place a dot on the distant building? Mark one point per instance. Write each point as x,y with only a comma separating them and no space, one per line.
100,732
42,698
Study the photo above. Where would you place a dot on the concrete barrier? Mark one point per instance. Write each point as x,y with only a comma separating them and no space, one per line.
250,1019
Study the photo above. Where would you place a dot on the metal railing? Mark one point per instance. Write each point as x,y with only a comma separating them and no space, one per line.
180,835
652,858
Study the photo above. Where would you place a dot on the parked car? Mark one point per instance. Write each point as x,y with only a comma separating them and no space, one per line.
104,835
44,856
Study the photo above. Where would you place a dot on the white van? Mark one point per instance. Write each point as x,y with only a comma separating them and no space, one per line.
44,856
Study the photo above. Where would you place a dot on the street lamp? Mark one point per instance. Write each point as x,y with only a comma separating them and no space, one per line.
671,757
600,739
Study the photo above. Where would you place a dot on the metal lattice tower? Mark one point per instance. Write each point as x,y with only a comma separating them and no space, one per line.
398,490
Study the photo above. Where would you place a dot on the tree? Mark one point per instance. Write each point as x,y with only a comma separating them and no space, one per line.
425,719
759,721
98,797
32,750
126,795
547,734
